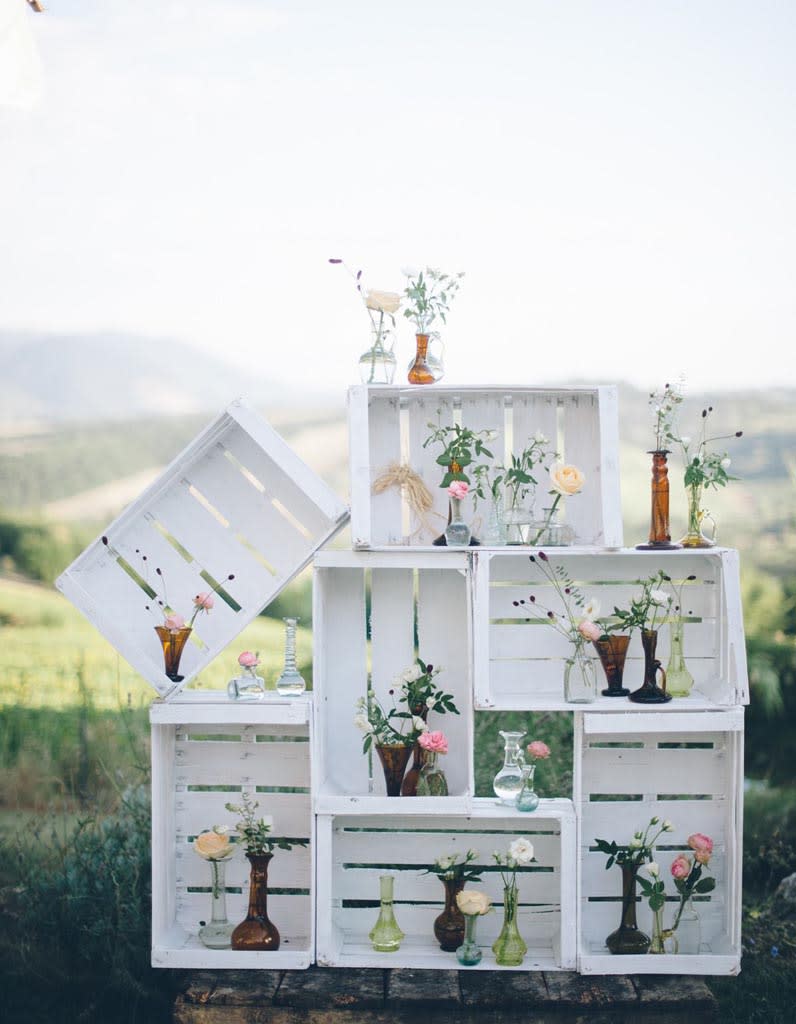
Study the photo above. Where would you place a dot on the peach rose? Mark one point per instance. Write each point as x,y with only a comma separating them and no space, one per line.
680,867
382,302
173,622
213,845
589,630
473,901
565,479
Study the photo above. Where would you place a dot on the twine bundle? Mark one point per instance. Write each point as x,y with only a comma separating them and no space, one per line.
417,496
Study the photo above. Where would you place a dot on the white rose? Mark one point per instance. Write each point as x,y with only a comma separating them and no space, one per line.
444,862
411,674
419,724
668,826
491,435
362,723
635,843
430,702
539,437
659,597
565,480
592,609
685,441
383,302
521,850
654,869
726,463
472,901
410,271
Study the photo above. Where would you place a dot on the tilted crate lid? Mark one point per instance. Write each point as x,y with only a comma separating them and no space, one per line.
237,502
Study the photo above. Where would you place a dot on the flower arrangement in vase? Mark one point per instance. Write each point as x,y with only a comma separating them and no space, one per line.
473,904
214,846
248,685
509,947
664,409
377,365
565,481
527,799
454,871
519,481
628,938
427,298
645,612
461,446
432,781
679,680
689,880
256,931
705,467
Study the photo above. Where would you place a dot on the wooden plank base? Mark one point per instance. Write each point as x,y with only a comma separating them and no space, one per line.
383,996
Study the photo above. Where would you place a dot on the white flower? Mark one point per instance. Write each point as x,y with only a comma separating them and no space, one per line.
635,843
221,830
668,826
383,302
539,437
412,674
491,435
362,723
521,850
683,440
430,702
654,868
444,862
659,597
726,463
592,609
419,724
472,901
410,271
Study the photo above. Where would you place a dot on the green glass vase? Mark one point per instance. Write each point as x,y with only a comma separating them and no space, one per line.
386,936
509,947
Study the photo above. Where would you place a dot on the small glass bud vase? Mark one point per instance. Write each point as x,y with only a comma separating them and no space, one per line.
377,365
580,679
550,532
508,781
495,530
687,930
431,781
527,799
457,532
679,680
469,953
217,933
247,686
386,936
291,682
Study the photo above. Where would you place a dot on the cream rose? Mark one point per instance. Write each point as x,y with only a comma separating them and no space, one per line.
565,479
521,850
472,901
382,302
213,845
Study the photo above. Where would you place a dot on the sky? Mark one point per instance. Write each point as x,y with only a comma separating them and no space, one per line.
614,177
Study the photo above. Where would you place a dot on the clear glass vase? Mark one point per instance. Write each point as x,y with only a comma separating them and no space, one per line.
469,953
527,799
687,929
431,781
663,940
495,529
247,686
457,532
508,781
509,947
580,679
377,365
679,680
386,936
518,522
550,532
291,682
217,933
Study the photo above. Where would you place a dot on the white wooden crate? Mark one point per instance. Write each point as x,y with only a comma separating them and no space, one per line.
237,501
686,767
207,751
353,851
369,610
389,424
519,661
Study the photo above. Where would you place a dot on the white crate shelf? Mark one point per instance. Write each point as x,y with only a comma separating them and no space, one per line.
354,851
389,424
237,501
207,751
684,767
373,613
519,661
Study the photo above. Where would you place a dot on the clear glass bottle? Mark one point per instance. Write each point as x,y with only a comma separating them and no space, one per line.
431,781
508,781
457,532
687,929
217,933
291,682
386,936
247,686
580,679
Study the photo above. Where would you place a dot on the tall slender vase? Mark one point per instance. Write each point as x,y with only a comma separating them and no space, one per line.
509,947
695,535
173,643
449,926
216,934
386,936
469,954
495,529
256,931
419,757
679,680
663,940
628,938
291,682
650,692
420,372
377,365
394,759
457,532
612,650
660,538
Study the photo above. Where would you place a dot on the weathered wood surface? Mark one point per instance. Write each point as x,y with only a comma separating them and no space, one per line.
378,996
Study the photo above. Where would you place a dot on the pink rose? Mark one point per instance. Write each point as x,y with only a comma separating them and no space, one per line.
434,742
701,856
538,750
173,622
680,867
589,630
204,601
701,843
248,660
459,489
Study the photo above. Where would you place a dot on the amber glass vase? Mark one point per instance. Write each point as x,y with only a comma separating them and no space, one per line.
650,692
410,780
612,650
660,539
394,759
420,372
449,926
628,938
256,932
173,642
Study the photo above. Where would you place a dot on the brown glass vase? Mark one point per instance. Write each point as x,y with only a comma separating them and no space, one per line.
409,784
449,926
650,692
660,538
420,373
256,932
173,641
628,939
394,759
612,650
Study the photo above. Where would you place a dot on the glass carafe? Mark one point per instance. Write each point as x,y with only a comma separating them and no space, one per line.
508,781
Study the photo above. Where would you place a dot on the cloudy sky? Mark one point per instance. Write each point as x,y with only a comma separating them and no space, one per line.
615,177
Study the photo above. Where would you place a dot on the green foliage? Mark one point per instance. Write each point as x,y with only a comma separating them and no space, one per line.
256,832
460,445
769,837
37,549
553,776
428,296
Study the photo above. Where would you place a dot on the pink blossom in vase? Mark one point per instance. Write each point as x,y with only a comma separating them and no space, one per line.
589,630
248,659
538,750
173,621
701,843
459,489
204,601
680,867
433,742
